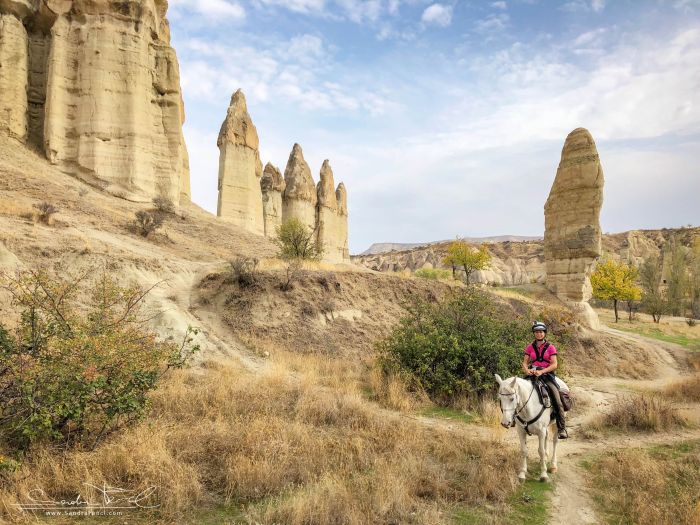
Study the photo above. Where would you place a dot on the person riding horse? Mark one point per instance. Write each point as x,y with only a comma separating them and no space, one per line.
541,361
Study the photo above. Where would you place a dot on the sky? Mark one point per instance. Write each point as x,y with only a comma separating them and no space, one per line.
447,119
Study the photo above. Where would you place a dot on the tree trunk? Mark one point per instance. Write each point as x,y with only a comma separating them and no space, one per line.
467,272
615,305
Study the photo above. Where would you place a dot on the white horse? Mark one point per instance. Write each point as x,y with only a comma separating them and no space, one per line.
521,407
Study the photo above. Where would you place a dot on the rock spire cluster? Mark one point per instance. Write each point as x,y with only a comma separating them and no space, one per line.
572,239
95,85
260,200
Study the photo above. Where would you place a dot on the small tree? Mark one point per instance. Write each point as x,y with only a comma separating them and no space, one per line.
163,204
653,300
615,281
461,254
694,279
297,241
677,280
45,212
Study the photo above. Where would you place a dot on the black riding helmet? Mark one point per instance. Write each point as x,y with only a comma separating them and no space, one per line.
539,325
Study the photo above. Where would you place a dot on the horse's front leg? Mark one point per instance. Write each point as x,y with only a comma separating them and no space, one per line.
523,453
553,462
542,436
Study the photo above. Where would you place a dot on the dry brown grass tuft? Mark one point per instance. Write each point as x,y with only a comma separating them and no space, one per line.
643,412
687,389
657,487
285,448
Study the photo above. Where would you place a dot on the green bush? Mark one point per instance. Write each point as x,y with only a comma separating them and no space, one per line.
453,348
295,240
81,361
433,273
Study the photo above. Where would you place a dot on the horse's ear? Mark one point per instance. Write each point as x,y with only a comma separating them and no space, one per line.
512,383
498,378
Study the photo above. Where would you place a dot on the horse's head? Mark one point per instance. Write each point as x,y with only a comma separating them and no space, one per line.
508,397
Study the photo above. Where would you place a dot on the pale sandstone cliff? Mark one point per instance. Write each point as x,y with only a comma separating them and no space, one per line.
299,198
272,186
572,237
240,169
95,85
341,196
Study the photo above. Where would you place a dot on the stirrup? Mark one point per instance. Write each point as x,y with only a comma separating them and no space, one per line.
562,434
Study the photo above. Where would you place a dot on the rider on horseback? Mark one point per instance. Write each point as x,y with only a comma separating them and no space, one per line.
541,361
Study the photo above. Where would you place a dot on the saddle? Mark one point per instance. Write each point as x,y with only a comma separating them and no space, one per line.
545,396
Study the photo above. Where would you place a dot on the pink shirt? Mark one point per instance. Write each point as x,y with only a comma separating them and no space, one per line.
547,355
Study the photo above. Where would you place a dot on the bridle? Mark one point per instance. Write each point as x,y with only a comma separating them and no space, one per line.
516,413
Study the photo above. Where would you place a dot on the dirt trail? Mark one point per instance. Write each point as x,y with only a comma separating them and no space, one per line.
571,502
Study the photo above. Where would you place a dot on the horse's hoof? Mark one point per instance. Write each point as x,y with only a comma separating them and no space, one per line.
553,470
521,477
544,479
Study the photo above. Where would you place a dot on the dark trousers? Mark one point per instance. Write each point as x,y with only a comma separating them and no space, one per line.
551,383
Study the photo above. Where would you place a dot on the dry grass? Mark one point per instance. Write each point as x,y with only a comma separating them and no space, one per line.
687,389
645,412
649,487
285,448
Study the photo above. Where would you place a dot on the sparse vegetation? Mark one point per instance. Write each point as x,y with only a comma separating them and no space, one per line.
295,240
243,270
653,297
292,270
77,368
453,348
147,222
656,486
432,273
163,204
642,412
462,255
45,212
615,281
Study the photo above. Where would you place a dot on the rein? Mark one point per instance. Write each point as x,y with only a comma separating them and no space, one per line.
516,415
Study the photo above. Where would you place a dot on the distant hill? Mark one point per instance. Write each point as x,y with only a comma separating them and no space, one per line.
386,247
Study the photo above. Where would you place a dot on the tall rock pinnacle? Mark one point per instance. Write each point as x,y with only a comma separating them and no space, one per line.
240,169
272,185
572,239
299,198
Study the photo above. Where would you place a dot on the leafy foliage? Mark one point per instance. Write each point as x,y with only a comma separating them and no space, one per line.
461,254
653,299
295,240
453,348
615,281
81,362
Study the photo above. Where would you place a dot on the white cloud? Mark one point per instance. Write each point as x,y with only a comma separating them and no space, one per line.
584,5
213,10
299,6
493,23
597,5
499,5
437,14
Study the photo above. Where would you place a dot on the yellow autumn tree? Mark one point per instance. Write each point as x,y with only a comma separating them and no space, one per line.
461,255
615,281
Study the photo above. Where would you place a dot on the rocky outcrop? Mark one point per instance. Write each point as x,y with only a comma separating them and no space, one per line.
272,186
240,169
299,199
332,223
572,238
95,85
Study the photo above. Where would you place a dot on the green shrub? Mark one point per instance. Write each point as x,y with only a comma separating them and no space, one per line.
295,240
433,273
81,362
453,348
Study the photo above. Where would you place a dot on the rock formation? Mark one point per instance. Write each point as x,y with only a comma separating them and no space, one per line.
572,238
341,196
240,169
299,199
95,85
332,226
272,186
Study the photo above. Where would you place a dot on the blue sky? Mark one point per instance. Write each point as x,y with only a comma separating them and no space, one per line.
448,118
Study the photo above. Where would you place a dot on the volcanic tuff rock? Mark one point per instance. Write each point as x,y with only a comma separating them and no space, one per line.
299,198
95,85
272,185
572,238
332,225
240,169
341,196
